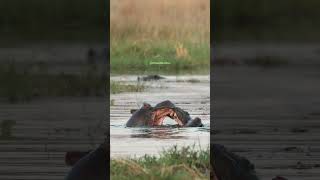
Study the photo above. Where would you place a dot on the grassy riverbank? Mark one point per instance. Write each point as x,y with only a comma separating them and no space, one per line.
160,36
165,57
175,163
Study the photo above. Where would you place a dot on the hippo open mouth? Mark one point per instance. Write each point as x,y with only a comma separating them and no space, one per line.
154,116
159,115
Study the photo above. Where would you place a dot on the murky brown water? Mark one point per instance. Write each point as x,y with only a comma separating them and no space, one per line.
192,97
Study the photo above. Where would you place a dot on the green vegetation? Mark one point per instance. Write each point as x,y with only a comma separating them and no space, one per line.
159,37
112,102
24,83
118,87
175,163
6,129
144,57
271,20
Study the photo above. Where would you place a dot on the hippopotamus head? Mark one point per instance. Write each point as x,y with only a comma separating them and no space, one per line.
141,117
154,116
196,122
227,165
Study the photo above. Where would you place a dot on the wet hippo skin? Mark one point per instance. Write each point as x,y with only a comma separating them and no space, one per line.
149,116
229,166
93,166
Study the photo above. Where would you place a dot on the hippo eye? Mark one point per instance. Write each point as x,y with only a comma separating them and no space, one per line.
146,105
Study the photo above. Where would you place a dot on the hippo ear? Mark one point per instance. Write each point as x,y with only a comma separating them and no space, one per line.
133,111
146,105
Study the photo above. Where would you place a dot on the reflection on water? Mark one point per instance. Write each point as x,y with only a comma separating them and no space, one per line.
164,132
138,141
161,133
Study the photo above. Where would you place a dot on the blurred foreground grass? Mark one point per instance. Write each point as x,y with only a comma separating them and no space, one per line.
174,163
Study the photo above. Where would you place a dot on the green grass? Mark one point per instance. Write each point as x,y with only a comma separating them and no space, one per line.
118,87
174,163
22,83
145,33
130,57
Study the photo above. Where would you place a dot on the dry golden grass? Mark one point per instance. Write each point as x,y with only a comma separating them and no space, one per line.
174,20
181,52
175,31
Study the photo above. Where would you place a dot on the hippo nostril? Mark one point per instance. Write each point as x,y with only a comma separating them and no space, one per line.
146,105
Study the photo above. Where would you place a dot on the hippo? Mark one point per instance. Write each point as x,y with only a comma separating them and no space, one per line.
225,164
93,165
229,166
148,116
150,78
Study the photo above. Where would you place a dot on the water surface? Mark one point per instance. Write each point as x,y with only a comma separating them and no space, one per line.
191,93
